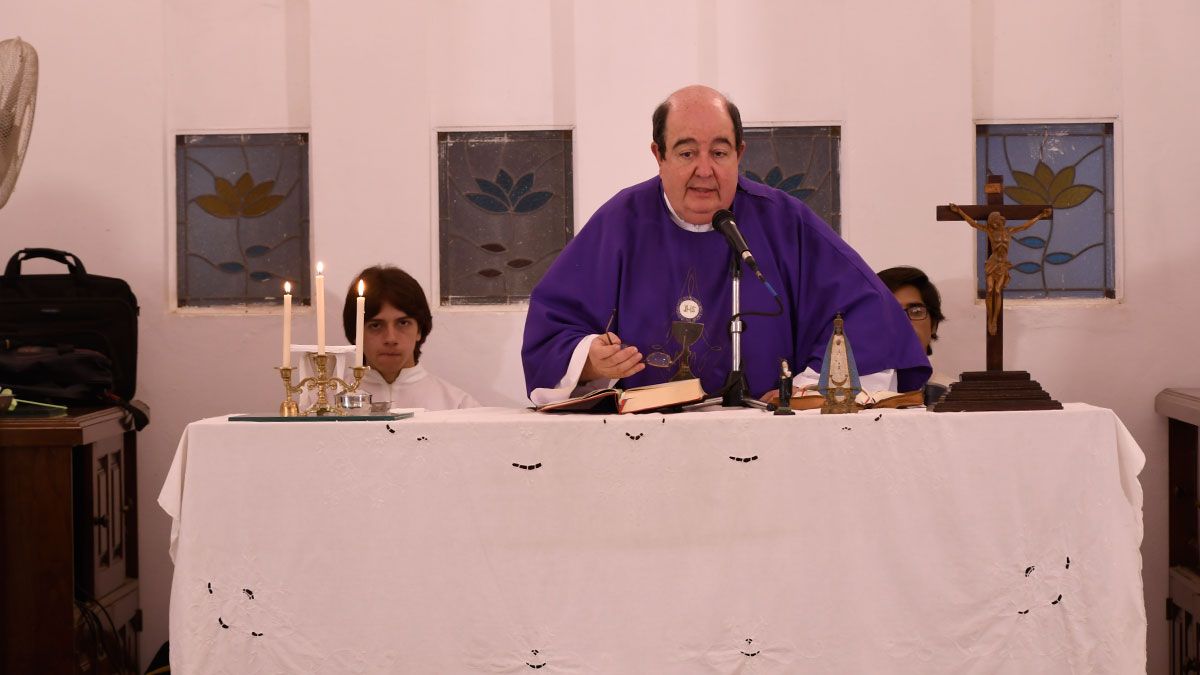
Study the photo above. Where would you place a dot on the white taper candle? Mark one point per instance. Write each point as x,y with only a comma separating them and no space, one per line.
320,293
287,324
359,317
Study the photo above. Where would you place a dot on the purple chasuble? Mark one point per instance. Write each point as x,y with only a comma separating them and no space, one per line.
633,258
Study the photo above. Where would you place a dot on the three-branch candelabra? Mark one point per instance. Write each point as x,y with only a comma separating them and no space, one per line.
320,382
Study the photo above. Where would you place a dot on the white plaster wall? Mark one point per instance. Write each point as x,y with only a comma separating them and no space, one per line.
374,79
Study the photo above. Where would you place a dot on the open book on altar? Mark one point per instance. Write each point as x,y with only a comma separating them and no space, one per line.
809,399
638,399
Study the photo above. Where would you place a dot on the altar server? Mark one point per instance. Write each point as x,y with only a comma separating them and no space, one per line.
397,322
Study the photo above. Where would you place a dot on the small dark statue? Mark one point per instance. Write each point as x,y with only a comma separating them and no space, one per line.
785,389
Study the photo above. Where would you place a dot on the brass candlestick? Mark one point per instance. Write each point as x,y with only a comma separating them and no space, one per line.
321,381
288,408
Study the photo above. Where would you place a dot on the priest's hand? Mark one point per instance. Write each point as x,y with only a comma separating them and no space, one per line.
608,359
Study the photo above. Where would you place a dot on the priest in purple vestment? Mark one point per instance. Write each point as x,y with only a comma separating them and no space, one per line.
642,294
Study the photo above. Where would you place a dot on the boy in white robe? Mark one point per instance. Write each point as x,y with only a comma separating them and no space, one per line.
398,322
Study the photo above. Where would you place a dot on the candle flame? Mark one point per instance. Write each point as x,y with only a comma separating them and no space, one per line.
361,287
287,287
320,268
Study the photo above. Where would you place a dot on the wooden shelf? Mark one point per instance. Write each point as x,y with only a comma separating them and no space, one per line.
1179,404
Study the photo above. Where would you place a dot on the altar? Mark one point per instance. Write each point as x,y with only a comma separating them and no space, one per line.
721,541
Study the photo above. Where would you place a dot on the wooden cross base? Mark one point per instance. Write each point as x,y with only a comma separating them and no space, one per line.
995,390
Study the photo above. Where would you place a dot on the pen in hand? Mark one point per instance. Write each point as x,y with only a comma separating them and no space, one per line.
608,327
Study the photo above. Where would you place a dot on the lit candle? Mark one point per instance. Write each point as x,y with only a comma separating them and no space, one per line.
359,316
287,324
320,291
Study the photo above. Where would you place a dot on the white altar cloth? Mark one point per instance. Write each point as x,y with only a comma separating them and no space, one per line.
726,541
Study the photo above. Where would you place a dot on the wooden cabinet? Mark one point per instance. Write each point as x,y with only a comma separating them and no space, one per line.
68,543
1181,407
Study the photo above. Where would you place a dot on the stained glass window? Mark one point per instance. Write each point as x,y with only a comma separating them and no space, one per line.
242,219
505,211
1069,167
801,161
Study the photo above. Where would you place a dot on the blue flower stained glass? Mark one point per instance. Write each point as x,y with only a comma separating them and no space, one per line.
1069,167
801,161
505,211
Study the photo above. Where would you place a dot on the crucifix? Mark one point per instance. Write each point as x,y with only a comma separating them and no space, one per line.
995,215
995,388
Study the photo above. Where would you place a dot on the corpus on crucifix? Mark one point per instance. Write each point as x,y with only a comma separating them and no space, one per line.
996,269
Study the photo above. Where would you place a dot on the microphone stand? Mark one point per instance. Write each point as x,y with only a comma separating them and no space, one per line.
733,392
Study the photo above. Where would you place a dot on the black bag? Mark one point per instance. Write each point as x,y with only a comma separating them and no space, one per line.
64,375
77,309
56,374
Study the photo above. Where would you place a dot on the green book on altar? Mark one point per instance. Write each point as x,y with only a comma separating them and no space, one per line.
380,417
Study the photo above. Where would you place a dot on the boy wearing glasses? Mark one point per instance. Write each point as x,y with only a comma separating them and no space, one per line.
923,305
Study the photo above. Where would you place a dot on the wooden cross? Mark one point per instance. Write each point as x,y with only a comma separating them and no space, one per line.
995,214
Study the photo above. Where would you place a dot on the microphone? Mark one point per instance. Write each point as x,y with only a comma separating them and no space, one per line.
724,223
